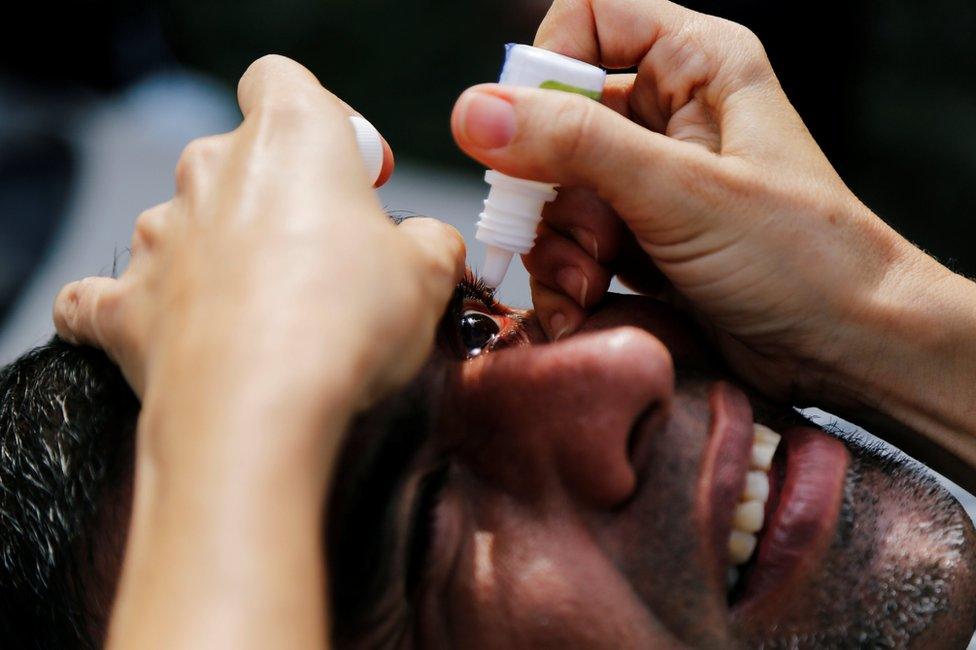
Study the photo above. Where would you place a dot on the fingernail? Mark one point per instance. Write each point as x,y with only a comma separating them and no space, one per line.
574,283
485,120
587,240
558,325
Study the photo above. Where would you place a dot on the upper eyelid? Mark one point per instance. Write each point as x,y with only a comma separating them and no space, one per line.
474,287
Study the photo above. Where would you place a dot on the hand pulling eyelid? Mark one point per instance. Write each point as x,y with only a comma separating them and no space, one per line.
513,208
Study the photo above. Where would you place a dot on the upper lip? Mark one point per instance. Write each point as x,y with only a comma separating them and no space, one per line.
725,462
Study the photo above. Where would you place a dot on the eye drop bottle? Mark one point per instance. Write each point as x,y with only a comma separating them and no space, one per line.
513,208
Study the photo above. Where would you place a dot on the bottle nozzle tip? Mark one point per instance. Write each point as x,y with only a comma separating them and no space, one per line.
496,265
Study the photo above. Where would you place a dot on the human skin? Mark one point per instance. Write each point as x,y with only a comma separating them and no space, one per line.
585,492
273,243
581,508
696,177
586,495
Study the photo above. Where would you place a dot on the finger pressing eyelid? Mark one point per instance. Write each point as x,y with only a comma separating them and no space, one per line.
581,214
442,251
561,264
558,315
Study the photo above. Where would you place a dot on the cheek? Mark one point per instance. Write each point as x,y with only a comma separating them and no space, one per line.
525,583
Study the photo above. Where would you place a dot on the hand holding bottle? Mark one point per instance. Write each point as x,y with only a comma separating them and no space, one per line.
698,168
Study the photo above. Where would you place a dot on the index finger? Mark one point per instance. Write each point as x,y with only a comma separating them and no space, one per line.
615,35
274,81
289,92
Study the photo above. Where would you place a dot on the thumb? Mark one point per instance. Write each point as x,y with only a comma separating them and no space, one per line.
564,138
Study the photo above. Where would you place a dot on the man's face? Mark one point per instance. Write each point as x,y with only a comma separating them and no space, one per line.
585,493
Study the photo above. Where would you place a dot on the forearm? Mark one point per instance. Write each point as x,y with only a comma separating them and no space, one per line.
231,556
913,374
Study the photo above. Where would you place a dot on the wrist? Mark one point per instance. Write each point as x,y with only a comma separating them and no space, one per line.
912,356
203,416
236,443
222,557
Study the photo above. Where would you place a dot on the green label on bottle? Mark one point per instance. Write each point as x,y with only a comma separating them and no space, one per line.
558,85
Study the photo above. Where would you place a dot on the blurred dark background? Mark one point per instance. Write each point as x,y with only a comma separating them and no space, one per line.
887,88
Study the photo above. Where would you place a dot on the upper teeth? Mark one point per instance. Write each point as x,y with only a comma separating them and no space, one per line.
764,444
748,516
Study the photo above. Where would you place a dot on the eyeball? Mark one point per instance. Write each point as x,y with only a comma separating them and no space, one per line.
478,331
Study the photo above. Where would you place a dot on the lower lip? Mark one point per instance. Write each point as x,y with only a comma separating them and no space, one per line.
802,527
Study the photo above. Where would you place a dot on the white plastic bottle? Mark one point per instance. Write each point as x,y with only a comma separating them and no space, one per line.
513,208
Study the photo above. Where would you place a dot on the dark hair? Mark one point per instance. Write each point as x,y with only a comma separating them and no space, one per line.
67,421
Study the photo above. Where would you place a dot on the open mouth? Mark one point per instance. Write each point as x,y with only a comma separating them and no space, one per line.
767,502
777,540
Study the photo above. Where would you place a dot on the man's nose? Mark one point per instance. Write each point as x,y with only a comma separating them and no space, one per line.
556,419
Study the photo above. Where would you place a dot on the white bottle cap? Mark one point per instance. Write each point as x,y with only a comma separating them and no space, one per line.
370,144
534,67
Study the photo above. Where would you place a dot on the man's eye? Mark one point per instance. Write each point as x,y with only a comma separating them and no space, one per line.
478,331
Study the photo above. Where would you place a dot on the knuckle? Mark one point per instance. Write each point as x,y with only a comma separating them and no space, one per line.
268,64
148,228
294,112
683,52
196,156
266,67
747,47
743,36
